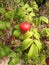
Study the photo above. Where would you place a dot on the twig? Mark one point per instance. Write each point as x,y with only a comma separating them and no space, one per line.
5,34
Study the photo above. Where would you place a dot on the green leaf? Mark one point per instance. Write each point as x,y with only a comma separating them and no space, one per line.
26,43
45,32
16,27
28,18
38,43
7,49
28,34
42,59
37,21
1,4
35,8
17,1
7,24
25,57
2,25
12,54
29,9
34,5
20,11
19,52
2,52
26,6
32,14
19,14
14,61
2,10
16,33
36,34
33,52
44,19
9,15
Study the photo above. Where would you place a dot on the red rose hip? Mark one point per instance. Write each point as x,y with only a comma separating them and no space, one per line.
47,61
25,26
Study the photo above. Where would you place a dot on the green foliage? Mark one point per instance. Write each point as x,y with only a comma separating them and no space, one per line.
7,24
12,54
34,5
45,32
19,14
14,61
39,44
26,43
42,59
16,33
9,15
4,25
35,45
44,19
36,34
37,21
31,47
25,57
19,52
41,19
2,11
16,27
7,50
28,34
24,12
2,53
33,52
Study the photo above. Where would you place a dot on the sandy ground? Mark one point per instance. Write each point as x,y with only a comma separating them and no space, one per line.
5,60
